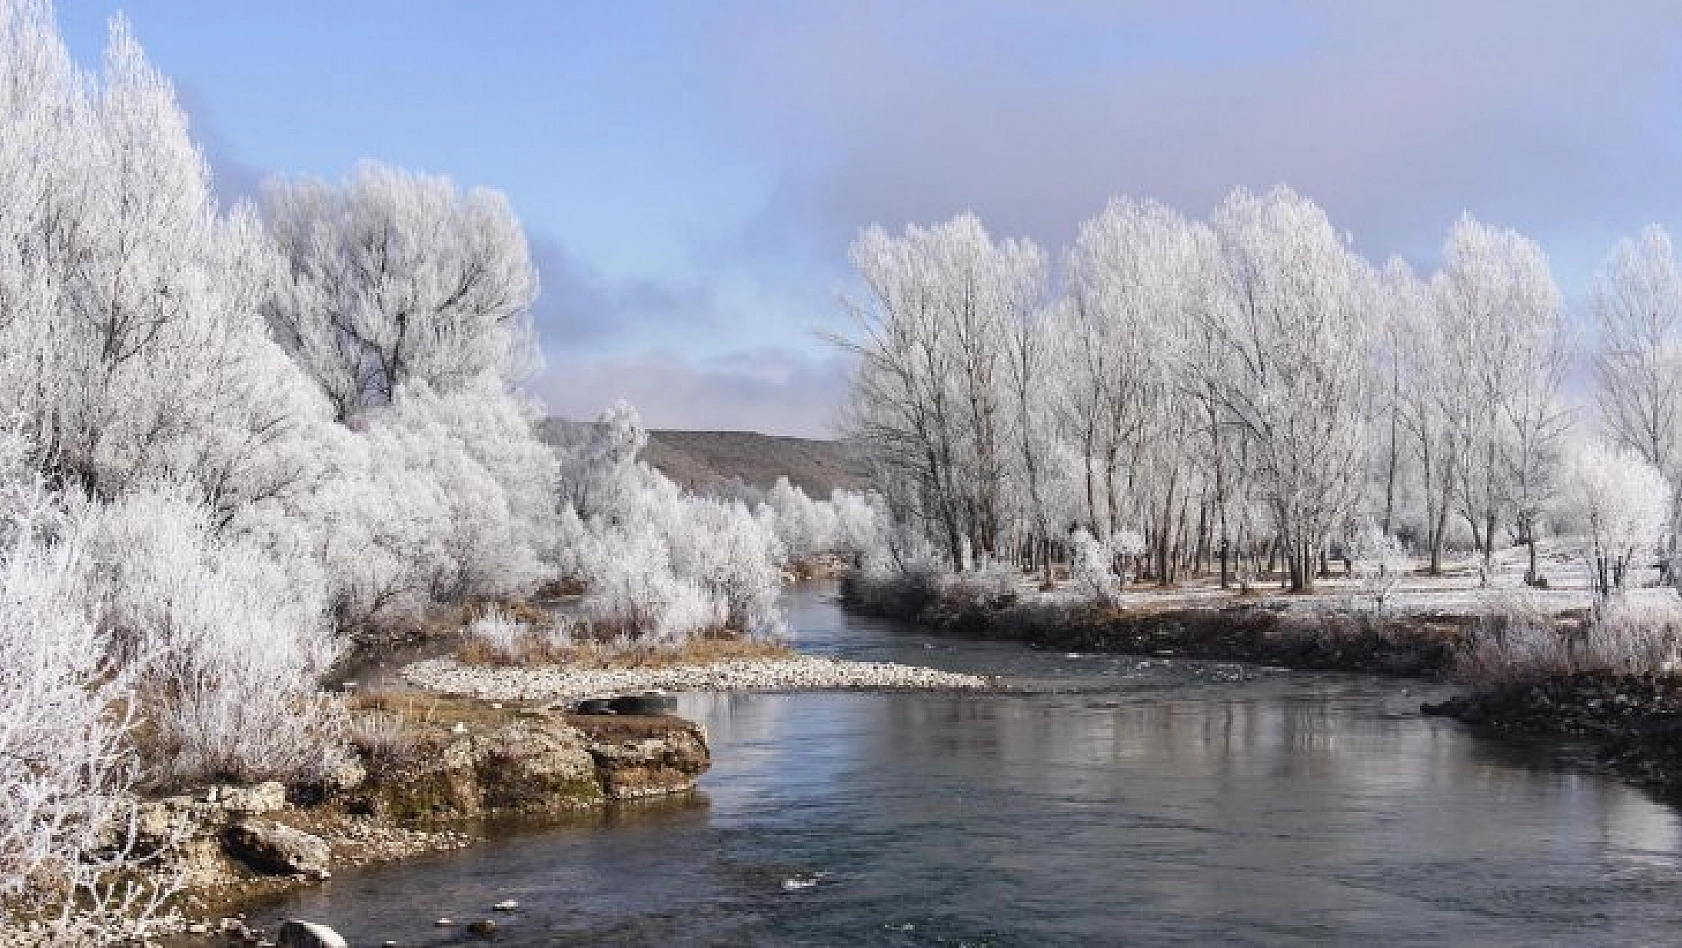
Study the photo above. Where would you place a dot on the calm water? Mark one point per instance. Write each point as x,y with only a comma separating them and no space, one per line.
1129,802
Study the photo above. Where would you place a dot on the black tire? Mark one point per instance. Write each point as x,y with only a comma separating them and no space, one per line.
649,702
595,706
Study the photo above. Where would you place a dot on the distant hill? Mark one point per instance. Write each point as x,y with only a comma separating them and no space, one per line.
702,459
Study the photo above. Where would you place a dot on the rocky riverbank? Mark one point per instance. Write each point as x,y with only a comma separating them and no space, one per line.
428,768
1632,722
798,673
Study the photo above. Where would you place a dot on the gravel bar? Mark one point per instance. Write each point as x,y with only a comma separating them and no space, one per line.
802,673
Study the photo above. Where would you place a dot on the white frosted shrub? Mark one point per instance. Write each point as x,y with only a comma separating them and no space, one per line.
432,498
805,527
476,453
633,587
1380,562
1635,634
228,644
732,556
860,520
990,583
899,574
656,562
597,462
1618,502
1519,639
1092,563
66,713
847,522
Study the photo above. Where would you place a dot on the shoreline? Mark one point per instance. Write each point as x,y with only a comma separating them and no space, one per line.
1269,632
1630,734
1631,723
558,683
456,764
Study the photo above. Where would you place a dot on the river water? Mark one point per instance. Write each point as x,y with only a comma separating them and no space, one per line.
1124,801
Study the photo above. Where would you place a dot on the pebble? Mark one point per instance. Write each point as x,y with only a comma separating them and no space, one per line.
444,922
506,905
802,673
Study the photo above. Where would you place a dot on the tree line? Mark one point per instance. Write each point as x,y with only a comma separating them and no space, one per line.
1243,393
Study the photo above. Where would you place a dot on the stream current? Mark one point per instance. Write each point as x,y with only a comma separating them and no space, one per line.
1120,800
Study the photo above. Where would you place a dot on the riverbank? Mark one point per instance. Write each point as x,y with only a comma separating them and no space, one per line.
1238,630
1632,723
1543,668
426,770
796,673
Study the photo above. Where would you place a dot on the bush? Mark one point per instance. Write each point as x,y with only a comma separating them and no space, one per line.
498,638
991,585
1520,640
226,643
67,714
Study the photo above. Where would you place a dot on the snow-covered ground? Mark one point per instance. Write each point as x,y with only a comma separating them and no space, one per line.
1458,591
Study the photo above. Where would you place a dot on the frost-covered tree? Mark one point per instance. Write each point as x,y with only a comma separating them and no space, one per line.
1428,406
227,642
1621,504
1636,301
129,306
394,277
1136,282
1502,321
1294,348
929,402
659,564
69,715
597,460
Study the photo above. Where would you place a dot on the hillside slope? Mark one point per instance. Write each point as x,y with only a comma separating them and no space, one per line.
701,459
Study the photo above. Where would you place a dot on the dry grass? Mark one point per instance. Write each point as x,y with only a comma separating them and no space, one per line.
384,738
1523,641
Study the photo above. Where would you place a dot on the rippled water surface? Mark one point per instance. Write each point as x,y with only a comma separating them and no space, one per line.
1128,801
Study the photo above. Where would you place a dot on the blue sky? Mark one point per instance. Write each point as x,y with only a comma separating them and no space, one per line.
690,174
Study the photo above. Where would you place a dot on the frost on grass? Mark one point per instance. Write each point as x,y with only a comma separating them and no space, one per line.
1522,639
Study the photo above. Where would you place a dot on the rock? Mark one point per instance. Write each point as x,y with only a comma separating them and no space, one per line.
254,801
527,764
484,928
538,767
506,905
295,933
667,761
444,922
345,775
268,846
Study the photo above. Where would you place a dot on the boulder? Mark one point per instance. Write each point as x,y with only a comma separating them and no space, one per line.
271,847
254,801
532,764
300,934
538,766
645,757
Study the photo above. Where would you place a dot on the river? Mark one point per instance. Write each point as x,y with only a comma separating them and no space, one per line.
1123,801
